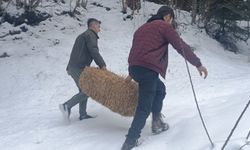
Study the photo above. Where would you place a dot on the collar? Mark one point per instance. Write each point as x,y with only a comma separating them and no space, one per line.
94,33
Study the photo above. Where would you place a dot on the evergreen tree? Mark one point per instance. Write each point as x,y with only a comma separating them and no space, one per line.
222,18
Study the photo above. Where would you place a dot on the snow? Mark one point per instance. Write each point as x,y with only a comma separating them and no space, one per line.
34,81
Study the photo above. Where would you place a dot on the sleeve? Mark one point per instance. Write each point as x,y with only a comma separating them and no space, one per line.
170,35
92,46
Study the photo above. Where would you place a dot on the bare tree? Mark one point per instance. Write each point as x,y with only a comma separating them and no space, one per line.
18,4
124,6
172,2
1,3
134,5
28,5
78,3
84,3
194,11
32,4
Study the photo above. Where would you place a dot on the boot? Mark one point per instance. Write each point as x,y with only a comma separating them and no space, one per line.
86,116
129,144
65,111
158,125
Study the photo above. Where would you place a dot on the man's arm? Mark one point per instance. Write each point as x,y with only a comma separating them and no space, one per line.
182,48
92,46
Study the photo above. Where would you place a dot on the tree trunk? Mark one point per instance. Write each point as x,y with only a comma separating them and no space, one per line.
124,6
134,4
84,4
205,12
18,4
77,5
172,3
194,11
1,2
35,3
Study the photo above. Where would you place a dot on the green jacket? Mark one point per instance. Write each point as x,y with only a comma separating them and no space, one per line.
85,50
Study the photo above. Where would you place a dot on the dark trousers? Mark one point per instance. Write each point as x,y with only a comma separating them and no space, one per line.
152,91
80,98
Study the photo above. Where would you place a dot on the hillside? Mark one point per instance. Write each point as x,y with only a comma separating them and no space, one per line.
34,81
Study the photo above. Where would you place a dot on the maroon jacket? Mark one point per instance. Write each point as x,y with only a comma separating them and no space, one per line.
150,47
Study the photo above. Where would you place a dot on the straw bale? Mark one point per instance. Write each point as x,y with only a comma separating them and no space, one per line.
110,90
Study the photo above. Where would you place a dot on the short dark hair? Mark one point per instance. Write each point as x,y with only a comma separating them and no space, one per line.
91,20
165,10
162,11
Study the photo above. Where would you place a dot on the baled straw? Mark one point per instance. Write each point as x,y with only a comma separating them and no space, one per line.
110,90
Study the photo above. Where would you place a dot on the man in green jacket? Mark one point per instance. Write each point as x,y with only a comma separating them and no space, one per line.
84,51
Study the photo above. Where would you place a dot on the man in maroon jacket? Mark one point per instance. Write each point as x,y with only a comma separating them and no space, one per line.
147,59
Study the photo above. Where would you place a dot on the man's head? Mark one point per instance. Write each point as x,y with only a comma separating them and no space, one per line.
94,24
166,13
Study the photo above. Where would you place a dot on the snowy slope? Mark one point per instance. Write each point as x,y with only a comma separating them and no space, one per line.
33,83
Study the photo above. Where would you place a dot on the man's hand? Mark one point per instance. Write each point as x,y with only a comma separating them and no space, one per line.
202,70
128,79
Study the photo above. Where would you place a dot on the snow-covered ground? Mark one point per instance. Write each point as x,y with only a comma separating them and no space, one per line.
33,82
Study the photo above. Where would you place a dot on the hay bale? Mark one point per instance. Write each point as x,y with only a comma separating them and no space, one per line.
110,90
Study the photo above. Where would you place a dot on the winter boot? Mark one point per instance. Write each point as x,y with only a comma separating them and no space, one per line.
65,111
158,125
129,144
85,117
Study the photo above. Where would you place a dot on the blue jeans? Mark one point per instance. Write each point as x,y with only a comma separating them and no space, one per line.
152,91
